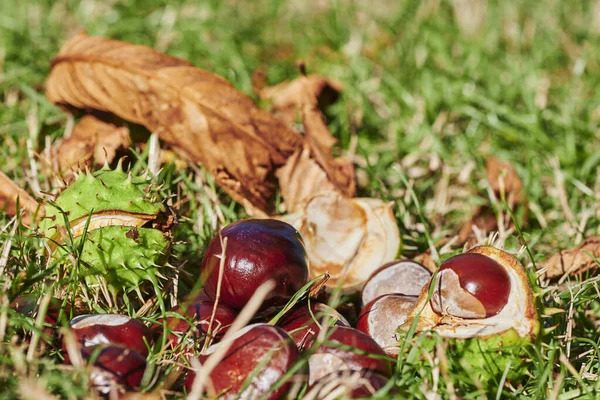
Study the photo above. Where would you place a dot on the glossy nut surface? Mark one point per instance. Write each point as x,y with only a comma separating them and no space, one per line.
257,250
260,355
347,348
193,322
110,329
301,323
114,365
481,277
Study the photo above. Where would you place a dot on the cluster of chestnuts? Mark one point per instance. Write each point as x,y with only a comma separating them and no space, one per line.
260,356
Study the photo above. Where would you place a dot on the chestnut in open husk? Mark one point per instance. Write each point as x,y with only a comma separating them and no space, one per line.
257,250
483,303
259,356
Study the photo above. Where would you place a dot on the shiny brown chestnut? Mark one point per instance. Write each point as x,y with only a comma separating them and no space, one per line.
110,329
301,322
193,322
257,250
381,318
471,285
260,355
405,277
114,367
347,385
346,348
27,305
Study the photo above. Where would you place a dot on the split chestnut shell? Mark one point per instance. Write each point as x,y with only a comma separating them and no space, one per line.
487,334
348,238
117,217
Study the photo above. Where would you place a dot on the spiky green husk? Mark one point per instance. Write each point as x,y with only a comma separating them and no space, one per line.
122,254
482,360
104,190
488,359
123,257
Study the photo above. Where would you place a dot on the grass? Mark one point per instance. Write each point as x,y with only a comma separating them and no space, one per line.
431,89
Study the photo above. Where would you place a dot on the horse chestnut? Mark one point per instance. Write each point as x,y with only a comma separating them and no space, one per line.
257,250
300,322
347,385
114,365
110,329
260,354
196,314
471,285
346,348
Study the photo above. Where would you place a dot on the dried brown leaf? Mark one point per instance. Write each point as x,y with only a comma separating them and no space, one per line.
11,195
339,171
300,179
313,170
574,261
503,178
199,114
483,218
92,143
287,98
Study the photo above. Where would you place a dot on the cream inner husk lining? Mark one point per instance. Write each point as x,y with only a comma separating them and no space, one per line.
511,316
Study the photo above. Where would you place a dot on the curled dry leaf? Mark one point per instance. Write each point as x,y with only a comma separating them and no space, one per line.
300,179
92,143
11,195
347,237
502,178
574,261
312,170
287,98
199,114
483,218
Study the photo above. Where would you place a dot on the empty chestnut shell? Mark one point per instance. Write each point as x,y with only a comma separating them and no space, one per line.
257,250
405,277
96,329
300,324
346,348
381,318
260,354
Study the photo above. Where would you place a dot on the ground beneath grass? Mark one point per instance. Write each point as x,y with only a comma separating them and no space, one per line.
432,89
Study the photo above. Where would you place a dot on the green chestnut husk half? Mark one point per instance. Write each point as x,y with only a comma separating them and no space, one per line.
489,323
115,225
